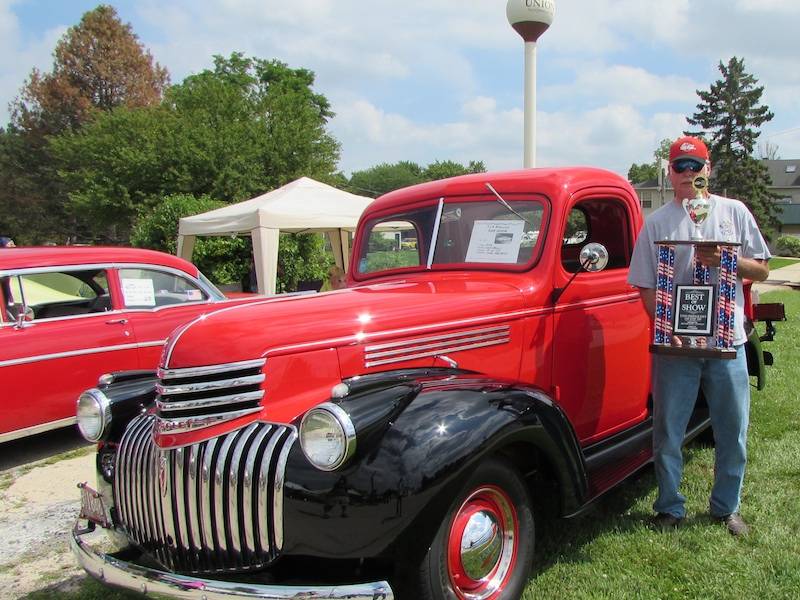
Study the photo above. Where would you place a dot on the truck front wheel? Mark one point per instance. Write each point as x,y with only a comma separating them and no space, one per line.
484,549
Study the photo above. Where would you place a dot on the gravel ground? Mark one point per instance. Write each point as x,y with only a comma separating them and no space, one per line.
37,511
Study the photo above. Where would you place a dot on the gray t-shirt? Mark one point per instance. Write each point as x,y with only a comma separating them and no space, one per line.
729,220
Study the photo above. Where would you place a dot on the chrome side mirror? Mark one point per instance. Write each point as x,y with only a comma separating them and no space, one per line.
593,257
24,317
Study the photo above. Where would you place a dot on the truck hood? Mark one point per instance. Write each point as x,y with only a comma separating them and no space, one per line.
362,314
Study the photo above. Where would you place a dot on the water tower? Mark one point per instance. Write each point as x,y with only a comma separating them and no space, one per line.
530,19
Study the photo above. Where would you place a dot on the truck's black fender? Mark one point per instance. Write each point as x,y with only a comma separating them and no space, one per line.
425,437
128,393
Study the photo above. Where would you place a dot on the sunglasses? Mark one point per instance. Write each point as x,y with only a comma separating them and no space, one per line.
681,165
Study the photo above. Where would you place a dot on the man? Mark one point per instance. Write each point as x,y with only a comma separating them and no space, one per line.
676,379
6,242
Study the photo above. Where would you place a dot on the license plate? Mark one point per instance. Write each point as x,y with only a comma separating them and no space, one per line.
92,507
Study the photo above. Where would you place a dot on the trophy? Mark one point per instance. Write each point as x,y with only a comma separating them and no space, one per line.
697,319
699,207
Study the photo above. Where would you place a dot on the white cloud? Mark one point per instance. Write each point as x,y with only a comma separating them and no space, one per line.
624,84
19,54
432,79
612,137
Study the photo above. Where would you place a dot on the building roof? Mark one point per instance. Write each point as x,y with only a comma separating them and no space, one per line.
784,173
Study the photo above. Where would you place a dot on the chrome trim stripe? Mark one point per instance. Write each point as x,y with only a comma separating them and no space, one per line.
206,501
130,576
445,344
18,433
220,483
211,369
444,336
262,498
617,299
179,497
236,521
55,355
443,349
177,405
280,474
248,482
207,386
195,528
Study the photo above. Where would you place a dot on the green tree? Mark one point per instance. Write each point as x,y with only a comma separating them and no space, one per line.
641,173
98,65
448,168
243,128
729,115
386,177
222,259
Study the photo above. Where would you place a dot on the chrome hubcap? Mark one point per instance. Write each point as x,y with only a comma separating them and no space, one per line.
481,547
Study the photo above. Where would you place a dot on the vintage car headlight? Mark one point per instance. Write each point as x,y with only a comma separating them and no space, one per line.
327,436
94,414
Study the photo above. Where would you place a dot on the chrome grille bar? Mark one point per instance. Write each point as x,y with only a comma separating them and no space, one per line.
208,386
209,402
211,369
198,397
207,507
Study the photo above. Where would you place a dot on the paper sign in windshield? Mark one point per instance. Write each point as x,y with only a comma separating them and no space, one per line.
138,292
495,241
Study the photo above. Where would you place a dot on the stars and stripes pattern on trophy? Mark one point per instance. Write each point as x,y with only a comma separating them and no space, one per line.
727,296
662,326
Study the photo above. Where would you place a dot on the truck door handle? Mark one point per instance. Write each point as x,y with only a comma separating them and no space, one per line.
117,322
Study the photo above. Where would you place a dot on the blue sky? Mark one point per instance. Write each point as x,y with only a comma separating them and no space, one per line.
427,80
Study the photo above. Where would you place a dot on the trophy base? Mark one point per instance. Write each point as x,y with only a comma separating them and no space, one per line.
693,352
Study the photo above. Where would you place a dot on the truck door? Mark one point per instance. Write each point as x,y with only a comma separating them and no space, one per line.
601,363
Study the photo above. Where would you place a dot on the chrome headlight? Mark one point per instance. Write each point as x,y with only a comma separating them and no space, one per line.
327,436
94,414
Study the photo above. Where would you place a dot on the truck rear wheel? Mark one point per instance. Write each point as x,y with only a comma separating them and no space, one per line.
484,549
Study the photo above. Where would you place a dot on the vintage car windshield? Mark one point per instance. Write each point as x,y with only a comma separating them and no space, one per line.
462,233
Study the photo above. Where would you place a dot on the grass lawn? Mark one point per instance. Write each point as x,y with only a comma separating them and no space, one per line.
777,263
611,553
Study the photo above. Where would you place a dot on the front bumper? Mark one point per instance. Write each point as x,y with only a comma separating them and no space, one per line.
160,584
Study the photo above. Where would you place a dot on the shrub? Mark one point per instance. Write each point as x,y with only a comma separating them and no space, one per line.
788,245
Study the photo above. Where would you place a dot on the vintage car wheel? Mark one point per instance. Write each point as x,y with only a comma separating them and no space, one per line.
484,549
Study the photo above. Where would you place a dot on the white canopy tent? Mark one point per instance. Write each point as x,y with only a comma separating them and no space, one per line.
303,206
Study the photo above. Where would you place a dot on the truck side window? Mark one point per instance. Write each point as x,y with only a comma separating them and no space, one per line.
601,220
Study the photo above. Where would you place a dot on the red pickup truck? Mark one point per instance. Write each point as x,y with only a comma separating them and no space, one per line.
400,437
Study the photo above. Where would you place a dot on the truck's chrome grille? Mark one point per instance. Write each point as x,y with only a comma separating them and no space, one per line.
198,397
446,343
209,507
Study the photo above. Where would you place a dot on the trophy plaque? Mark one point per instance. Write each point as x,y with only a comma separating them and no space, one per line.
696,319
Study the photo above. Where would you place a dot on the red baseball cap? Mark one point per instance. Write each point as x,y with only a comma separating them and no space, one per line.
688,147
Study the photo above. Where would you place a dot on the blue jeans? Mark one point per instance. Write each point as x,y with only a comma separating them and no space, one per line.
726,386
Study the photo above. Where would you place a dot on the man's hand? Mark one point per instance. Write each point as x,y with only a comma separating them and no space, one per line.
709,256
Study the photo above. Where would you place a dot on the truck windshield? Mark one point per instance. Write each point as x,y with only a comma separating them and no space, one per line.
478,234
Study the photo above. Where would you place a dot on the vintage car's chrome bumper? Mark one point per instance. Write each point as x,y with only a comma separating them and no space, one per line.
161,584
